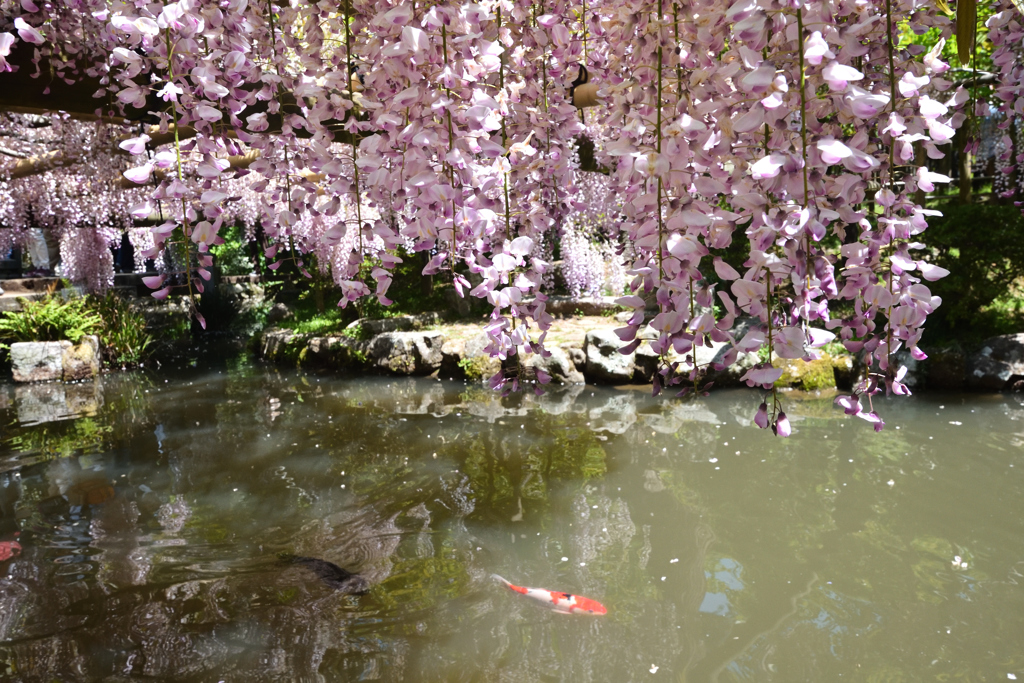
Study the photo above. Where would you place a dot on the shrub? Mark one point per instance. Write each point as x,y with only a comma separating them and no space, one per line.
411,292
233,257
982,246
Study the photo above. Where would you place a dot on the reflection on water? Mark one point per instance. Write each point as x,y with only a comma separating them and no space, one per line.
153,519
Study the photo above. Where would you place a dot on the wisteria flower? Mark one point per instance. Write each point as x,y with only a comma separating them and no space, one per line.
763,375
28,33
169,92
140,174
6,41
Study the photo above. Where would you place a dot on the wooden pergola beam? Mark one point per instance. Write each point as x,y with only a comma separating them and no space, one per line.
235,162
39,163
20,93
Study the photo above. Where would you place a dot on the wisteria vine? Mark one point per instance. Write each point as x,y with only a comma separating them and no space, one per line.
350,133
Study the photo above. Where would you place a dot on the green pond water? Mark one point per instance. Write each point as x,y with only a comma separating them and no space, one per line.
154,509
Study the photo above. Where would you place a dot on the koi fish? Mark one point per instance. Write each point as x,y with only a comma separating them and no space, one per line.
562,603
331,574
9,549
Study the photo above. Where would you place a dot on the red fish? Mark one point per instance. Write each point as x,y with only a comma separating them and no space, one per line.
9,549
562,603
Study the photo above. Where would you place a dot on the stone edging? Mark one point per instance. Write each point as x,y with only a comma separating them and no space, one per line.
597,360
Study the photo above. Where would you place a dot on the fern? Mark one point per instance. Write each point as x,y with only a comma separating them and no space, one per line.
51,318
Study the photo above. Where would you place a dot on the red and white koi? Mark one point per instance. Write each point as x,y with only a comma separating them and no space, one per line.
562,603
9,549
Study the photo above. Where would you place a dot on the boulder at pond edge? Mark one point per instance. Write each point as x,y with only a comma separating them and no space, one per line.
605,365
47,361
998,364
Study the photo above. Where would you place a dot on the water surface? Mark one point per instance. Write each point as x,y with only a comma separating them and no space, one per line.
154,510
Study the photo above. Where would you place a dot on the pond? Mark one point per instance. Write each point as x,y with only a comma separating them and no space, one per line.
160,513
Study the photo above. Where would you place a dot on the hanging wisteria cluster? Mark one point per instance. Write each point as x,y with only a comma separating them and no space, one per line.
593,258
802,130
1006,31
81,199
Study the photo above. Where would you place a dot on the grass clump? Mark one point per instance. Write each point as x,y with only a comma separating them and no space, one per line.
123,334
307,320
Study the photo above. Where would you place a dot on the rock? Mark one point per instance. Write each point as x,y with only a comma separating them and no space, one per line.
998,364
674,415
567,305
652,482
915,377
82,361
45,361
645,363
809,375
946,370
38,361
604,362
335,352
847,371
576,355
407,353
41,403
244,294
558,400
731,374
558,365
475,363
334,576
451,355
274,344
409,396
277,313
648,333
403,323
616,415
83,398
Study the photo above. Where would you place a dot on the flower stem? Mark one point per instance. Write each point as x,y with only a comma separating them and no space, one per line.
177,150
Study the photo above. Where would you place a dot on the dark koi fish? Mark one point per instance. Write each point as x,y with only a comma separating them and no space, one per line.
562,603
331,574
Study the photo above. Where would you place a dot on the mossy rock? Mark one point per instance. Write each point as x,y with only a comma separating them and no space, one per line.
335,352
846,370
811,375
477,368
